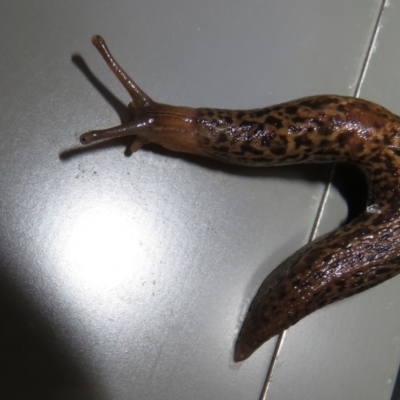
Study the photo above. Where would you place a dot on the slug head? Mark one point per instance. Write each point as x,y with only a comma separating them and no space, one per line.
172,127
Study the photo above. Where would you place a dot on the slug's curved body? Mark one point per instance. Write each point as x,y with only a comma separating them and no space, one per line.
315,129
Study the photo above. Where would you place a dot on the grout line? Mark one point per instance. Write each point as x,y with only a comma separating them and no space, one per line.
277,350
357,90
281,337
372,42
322,203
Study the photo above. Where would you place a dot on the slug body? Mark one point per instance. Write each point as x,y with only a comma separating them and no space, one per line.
328,128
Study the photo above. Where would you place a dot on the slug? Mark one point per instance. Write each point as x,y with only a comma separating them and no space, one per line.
325,128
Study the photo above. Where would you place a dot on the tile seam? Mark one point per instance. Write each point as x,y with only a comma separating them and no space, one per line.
317,219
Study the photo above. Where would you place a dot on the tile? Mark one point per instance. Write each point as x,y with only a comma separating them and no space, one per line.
128,277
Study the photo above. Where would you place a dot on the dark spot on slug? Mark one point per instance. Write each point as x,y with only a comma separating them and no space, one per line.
246,147
291,158
322,302
299,120
396,151
358,148
228,120
291,110
382,271
257,152
375,159
302,140
324,143
223,149
343,138
277,148
260,113
262,160
222,138
307,103
271,120
325,132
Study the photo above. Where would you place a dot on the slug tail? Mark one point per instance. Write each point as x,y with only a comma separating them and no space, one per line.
350,260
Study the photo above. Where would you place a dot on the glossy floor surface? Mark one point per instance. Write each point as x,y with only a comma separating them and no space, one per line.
128,277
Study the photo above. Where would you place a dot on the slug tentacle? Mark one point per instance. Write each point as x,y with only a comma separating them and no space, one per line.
119,131
139,97
326,128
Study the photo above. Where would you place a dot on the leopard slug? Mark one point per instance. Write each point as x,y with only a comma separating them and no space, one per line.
326,128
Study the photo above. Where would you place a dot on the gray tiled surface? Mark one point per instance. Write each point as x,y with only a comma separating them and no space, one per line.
125,278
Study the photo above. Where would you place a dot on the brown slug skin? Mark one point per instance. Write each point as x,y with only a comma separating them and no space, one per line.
314,129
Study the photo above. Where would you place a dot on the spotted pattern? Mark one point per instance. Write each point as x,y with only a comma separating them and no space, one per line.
347,261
